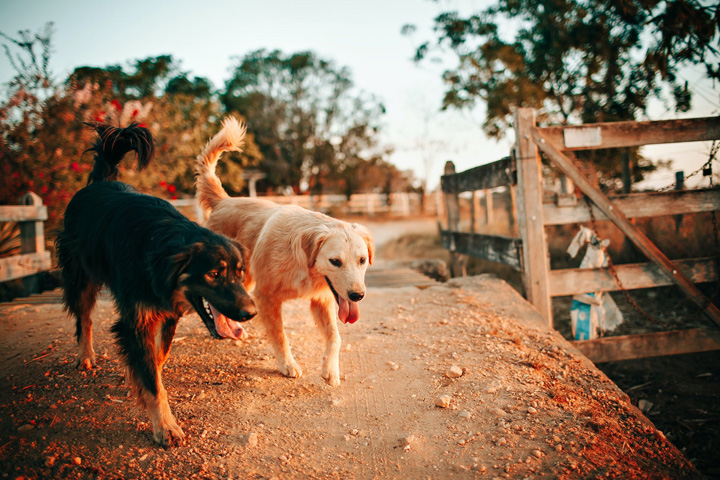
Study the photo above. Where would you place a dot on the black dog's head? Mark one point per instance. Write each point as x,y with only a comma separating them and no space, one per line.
210,274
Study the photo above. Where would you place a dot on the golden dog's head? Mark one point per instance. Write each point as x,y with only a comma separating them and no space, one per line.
341,253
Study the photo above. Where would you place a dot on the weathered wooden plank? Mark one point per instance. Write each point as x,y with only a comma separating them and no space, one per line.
573,281
19,266
452,207
632,134
628,347
22,213
496,174
529,214
648,248
32,239
495,248
639,205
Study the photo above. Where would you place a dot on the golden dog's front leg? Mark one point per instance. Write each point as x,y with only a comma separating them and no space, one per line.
270,314
323,310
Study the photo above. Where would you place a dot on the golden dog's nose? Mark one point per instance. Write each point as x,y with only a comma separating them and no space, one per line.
356,296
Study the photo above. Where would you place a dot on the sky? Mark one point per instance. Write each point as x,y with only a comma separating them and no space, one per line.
363,36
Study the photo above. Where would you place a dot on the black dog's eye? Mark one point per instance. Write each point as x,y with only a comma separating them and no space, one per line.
213,274
336,262
362,260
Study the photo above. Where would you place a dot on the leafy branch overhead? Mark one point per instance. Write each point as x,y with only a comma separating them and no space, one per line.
575,61
309,127
592,60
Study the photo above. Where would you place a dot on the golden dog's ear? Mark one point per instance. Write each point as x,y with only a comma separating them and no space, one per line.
368,238
311,242
243,251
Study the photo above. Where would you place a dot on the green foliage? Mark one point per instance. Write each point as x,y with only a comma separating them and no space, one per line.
30,58
575,61
309,122
43,135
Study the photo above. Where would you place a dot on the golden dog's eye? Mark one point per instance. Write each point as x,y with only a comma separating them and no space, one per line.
362,260
336,262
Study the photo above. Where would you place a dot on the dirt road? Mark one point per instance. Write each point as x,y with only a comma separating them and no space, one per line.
520,402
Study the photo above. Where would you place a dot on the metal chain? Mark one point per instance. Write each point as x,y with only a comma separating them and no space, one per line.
711,157
613,271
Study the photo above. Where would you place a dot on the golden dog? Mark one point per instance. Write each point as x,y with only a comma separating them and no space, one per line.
294,253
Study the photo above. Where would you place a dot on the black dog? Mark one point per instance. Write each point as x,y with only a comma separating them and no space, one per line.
157,264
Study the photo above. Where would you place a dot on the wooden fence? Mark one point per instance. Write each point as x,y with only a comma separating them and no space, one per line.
33,258
401,204
529,253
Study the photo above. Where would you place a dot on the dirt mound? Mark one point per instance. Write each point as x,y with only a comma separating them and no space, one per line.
515,399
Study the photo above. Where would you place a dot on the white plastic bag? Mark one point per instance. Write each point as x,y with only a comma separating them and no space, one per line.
592,312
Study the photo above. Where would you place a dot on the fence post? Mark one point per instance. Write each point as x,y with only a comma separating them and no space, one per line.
680,185
32,239
512,211
452,206
475,212
489,208
529,210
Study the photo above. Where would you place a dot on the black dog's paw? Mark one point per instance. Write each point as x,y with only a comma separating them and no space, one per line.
167,434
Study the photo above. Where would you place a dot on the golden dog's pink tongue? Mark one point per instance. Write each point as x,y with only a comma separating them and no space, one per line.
348,312
225,327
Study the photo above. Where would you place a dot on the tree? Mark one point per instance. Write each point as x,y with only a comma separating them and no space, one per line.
576,61
308,120
43,136
29,55
40,143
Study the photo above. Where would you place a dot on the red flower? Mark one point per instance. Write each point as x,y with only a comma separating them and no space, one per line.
163,183
99,116
75,167
171,188
117,105
135,113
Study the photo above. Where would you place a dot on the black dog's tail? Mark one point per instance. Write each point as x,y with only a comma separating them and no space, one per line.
111,146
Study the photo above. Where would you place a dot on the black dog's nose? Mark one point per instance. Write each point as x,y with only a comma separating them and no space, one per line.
248,313
356,296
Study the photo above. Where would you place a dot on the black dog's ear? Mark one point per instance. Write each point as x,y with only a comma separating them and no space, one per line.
167,271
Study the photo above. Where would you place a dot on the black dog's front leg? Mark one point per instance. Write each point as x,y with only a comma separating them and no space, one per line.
167,333
145,352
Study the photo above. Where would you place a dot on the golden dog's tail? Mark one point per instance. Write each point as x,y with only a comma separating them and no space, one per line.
209,187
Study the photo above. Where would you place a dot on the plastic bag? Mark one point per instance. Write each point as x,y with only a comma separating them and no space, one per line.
591,313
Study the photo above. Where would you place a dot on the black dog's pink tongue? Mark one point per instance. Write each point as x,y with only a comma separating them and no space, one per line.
348,312
225,327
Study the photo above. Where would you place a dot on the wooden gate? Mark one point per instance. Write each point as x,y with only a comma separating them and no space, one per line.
542,284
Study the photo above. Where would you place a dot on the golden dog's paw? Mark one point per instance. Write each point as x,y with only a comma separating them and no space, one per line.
332,378
164,435
291,370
